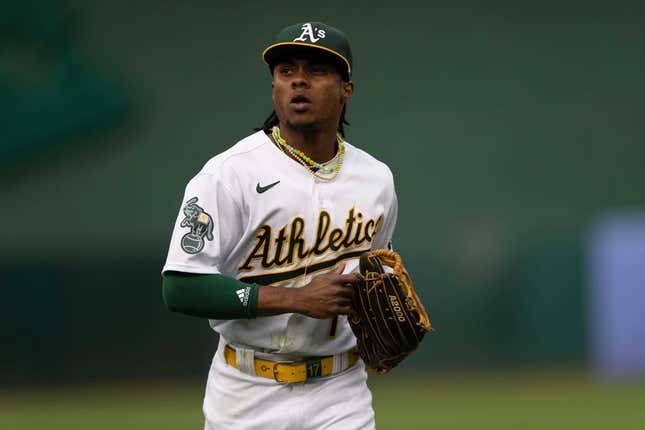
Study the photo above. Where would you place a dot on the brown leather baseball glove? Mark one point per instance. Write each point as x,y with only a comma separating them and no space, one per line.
388,319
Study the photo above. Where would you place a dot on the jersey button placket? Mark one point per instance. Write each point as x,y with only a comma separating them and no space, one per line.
315,210
295,321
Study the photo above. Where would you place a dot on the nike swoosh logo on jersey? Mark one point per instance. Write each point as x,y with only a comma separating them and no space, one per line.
260,189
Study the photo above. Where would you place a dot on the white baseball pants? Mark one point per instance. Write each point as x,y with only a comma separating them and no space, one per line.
237,401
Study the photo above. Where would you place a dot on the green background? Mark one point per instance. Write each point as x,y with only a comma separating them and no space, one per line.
509,126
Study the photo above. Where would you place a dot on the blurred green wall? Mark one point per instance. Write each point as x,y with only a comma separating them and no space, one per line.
508,126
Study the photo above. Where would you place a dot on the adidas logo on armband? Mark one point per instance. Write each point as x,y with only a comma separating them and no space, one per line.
243,295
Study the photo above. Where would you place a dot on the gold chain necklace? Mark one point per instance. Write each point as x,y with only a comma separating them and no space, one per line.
308,163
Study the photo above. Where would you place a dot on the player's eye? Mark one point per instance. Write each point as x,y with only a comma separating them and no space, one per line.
318,69
285,69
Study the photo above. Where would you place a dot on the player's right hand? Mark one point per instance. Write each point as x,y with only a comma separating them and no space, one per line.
327,295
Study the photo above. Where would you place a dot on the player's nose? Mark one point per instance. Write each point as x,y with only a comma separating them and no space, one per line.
300,79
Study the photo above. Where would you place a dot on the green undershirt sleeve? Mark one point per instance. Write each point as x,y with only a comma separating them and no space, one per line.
209,296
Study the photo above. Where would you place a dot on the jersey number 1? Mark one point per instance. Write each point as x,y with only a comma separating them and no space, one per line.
333,325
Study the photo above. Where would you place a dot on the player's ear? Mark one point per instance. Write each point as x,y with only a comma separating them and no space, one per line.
347,90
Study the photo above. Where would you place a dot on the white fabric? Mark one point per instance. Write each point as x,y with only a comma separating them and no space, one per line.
341,362
292,213
245,359
339,402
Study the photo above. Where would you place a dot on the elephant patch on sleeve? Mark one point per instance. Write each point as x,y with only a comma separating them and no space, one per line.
200,224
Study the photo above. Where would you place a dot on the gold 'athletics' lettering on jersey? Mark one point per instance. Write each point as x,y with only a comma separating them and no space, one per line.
289,245
273,277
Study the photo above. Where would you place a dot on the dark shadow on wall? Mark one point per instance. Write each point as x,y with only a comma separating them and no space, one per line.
66,322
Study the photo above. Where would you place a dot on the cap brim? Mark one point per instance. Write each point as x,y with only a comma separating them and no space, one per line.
308,45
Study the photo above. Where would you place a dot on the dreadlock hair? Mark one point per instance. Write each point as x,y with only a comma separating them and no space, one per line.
272,120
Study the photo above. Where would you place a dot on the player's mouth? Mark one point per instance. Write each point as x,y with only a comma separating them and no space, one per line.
300,103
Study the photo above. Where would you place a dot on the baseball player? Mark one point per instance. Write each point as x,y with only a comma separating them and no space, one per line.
266,247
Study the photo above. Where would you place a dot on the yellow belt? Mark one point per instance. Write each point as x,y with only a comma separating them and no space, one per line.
291,371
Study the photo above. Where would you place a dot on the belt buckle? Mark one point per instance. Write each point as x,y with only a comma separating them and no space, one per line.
275,370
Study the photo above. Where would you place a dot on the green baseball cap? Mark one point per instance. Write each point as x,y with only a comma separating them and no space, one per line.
316,35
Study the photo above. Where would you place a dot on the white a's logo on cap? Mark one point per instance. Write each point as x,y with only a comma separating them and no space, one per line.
308,32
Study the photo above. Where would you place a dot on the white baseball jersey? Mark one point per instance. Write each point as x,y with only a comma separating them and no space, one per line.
255,214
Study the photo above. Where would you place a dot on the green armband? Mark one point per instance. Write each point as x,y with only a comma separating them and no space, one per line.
209,296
